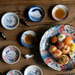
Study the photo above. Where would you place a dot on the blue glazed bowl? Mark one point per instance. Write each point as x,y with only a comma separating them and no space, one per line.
10,20
27,33
36,14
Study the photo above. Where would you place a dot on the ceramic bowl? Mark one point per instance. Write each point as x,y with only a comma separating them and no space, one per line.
63,7
45,44
10,20
11,54
33,70
14,72
36,14
27,33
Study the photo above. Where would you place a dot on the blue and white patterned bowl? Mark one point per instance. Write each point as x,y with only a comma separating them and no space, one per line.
11,54
36,14
10,20
27,33
33,70
14,72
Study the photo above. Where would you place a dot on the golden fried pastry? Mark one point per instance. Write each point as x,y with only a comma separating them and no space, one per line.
63,59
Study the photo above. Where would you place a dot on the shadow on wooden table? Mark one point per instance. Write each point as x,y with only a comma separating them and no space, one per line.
26,12
35,50
6,72
23,69
1,18
50,11
19,38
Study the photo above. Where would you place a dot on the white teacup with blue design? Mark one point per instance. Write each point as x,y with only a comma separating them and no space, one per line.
33,70
36,14
27,33
10,20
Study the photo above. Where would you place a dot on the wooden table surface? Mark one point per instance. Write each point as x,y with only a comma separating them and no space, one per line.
13,36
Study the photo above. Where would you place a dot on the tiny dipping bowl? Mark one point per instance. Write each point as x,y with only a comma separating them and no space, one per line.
11,54
10,20
33,70
36,14
64,8
29,32
14,72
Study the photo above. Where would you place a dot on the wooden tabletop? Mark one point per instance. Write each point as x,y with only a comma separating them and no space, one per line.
13,36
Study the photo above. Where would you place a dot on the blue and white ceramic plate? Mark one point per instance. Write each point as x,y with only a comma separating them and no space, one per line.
14,72
36,13
27,33
33,70
10,20
45,44
11,54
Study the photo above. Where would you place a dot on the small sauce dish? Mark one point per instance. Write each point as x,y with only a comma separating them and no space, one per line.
11,54
36,14
29,39
33,70
10,20
14,72
60,12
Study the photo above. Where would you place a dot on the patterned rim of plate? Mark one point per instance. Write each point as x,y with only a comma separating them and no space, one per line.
6,57
10,14
42,12
45,43
11,72
26,33
29,72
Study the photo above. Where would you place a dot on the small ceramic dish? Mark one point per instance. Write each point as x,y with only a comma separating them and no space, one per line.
10,20
14,72
60,12
36,14
11,54
29,32
33,70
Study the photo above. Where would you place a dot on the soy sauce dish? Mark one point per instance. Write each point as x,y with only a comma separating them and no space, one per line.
60,12
29,39
36,14
14,72
11,54
33,70
10,20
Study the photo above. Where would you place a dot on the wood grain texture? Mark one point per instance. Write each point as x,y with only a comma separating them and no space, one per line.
37,2
13,36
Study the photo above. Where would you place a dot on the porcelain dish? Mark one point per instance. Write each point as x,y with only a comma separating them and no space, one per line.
45,44
11,54
27,33
14,72
10,20
33,70
63,7
36,14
